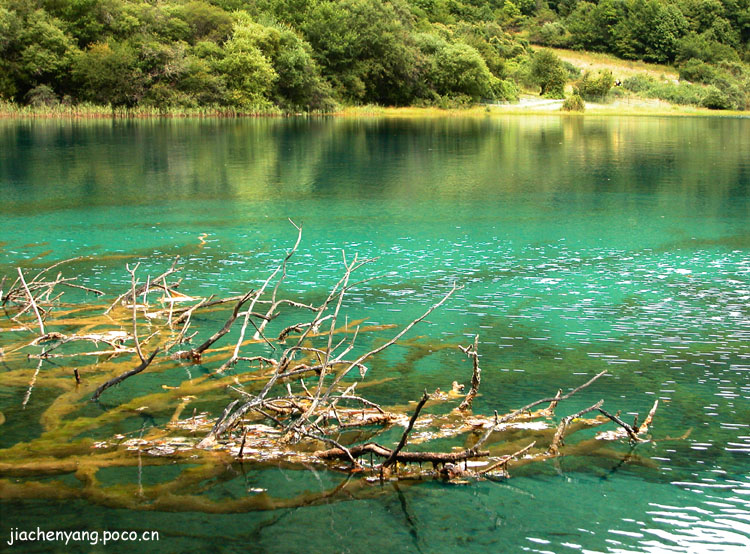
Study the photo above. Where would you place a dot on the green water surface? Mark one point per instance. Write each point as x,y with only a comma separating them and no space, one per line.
582,244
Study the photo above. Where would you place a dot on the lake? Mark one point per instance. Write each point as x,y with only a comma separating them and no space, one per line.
582,244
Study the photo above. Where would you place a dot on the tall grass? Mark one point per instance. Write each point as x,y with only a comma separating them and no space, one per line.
94,111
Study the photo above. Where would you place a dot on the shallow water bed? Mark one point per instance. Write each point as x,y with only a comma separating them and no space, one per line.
583,244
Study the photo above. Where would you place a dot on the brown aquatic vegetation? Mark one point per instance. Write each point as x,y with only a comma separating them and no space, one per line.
299,404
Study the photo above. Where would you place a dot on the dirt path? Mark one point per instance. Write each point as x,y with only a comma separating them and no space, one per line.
532,103
621,105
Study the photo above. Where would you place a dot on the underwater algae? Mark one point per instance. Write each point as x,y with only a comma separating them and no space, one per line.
271,415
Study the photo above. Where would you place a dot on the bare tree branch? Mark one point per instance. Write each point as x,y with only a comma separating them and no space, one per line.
33,303
119,379
472,352
392,458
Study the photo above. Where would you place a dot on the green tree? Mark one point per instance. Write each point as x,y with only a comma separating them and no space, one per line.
700,14
651,31
249,75
300,85
35,51
459,69
10,26
199,82
88,21
108,74
204,21
548,73
593,26
366,49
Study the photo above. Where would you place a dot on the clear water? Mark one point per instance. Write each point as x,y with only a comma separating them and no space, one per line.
582,243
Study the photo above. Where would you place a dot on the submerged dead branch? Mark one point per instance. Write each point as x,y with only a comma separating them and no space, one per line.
476,376
120,378
31,301
402,442
135,319
282,268
298,405
195,353
131,295
632,433
557,440
503,462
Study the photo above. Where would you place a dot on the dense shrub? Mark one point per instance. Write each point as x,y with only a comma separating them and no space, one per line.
716,99
42,96
677,93
730,79
571,71
639,83
573,103
697,71
682,93
597,87
506,90
732,89
553,33
705,48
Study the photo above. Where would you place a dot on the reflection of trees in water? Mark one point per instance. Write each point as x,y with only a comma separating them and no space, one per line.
263,159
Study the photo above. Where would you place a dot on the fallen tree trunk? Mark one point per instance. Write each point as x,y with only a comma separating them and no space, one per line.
403,457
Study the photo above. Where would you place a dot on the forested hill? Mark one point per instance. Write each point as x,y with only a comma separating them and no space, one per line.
307,55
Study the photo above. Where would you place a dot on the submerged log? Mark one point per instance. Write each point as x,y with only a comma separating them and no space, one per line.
403,457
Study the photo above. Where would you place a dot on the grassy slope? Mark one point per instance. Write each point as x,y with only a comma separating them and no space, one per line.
621,69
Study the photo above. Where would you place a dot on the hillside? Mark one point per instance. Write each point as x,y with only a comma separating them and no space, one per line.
316,55
621,69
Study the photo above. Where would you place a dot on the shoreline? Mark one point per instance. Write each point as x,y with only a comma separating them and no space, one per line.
621,107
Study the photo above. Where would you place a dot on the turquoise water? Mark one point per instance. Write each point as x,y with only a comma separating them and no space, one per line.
582,244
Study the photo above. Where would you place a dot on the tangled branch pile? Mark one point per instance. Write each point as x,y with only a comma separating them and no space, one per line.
293,396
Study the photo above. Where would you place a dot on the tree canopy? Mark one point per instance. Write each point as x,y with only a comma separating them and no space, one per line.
309,55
